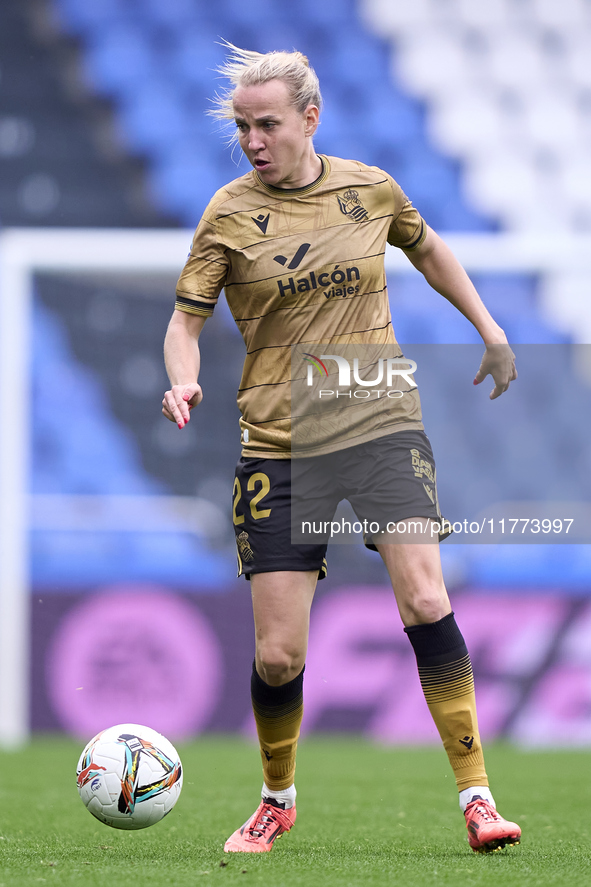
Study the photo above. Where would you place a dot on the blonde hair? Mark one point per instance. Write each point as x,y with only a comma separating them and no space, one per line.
244,67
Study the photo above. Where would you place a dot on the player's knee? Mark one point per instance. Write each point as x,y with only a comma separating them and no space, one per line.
423,608
278,665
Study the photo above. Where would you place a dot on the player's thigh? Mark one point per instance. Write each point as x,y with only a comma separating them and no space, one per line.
281,603
416,576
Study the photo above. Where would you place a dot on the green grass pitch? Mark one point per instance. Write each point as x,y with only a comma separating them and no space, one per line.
367,815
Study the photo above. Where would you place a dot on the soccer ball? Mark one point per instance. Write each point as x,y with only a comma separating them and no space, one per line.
129,776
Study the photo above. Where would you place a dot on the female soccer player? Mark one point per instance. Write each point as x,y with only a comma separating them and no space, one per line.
298,245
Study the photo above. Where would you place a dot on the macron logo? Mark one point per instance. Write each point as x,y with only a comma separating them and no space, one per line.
261,222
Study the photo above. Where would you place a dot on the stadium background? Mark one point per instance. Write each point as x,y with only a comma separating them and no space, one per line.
482,112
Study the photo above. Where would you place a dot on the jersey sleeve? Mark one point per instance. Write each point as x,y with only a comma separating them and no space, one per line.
205,271
408,229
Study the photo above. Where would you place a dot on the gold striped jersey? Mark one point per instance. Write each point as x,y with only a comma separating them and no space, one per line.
301,267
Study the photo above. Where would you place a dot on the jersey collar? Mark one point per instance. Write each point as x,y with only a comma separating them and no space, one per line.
298,192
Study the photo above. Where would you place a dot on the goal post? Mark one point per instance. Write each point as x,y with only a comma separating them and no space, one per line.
24,252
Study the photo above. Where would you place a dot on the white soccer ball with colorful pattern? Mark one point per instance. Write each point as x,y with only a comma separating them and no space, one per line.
129,776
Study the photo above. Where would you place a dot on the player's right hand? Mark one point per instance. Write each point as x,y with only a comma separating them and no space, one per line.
179,400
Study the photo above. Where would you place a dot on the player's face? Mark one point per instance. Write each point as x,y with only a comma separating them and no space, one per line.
275,136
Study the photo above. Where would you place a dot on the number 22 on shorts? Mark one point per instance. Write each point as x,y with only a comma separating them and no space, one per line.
257,513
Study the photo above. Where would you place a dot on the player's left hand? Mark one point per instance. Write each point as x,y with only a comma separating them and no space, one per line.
498,361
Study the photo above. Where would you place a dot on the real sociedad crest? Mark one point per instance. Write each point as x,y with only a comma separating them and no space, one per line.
350,205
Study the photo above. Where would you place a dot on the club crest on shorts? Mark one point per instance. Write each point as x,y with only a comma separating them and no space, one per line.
244,547
351,205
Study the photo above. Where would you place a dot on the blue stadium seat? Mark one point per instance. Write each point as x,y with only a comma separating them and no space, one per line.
251,15
195,53
190,177
172,14
119,59
94,454
456,216
513,293
414,326
332,14
84,18
429,178
153,118
394,120
359,59
528,328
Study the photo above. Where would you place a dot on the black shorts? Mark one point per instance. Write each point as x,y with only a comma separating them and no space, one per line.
282,508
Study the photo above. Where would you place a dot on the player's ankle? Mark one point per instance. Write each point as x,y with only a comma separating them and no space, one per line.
468,794
286,796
